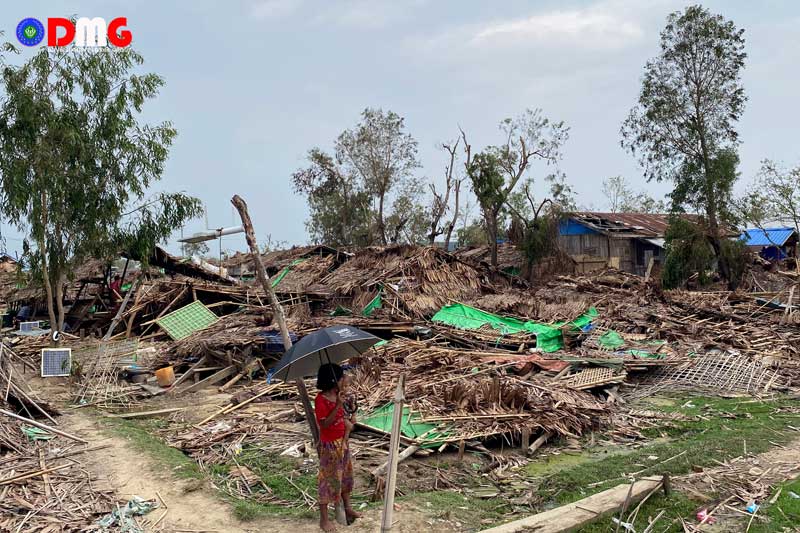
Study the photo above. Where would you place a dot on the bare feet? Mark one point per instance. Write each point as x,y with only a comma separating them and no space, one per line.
351,514
326,525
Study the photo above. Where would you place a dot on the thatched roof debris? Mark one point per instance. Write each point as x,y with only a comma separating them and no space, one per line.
423,279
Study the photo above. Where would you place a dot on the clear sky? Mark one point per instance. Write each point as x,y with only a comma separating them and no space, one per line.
253,84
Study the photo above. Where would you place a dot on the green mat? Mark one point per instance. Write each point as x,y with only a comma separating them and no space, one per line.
381,420
182,322
548,337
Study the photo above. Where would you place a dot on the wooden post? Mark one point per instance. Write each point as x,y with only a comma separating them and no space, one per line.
277,310
121,310
394,446
526,439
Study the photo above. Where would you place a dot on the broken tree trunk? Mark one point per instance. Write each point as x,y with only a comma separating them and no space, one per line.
573,516
277,309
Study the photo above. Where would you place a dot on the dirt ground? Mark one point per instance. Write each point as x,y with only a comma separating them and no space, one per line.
193,505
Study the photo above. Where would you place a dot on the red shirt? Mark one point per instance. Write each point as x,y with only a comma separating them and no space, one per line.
322,408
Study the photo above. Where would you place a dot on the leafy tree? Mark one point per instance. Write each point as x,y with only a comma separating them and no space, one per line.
774,196
683,127
562,194
339,205
358,195
688,253
76,162
496,171
623,199
195,248
472,234
379,151
535,224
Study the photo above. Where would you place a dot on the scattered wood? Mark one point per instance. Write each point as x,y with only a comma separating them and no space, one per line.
43,426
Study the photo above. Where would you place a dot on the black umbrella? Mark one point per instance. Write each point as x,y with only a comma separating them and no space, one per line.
329,345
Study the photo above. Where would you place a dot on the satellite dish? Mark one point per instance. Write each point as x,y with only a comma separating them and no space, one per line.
56,336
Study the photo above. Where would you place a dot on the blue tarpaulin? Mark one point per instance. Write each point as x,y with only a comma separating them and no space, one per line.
767,236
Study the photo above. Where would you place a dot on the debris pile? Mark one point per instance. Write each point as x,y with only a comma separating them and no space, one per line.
43,487
489,361
458,392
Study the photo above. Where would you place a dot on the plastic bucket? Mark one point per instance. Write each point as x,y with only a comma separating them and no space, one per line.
165,376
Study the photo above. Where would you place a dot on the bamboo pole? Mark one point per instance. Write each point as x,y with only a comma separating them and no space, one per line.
43,426
277,309
394,446
121,310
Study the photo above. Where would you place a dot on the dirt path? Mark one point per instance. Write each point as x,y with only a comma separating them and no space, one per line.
193,505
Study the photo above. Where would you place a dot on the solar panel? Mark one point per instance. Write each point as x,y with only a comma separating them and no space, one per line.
56,362
29,326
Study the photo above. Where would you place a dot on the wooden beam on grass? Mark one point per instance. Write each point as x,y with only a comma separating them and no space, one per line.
573,516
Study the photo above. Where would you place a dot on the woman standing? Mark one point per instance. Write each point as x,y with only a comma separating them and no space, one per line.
335,467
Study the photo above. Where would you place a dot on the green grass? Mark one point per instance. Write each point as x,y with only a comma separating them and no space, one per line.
726,427
697,443
674,507
784,514
473,513
277,473
143,439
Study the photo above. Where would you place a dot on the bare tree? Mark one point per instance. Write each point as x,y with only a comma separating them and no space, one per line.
441,201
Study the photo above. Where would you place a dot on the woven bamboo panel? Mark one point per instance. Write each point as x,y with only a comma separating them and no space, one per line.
586,379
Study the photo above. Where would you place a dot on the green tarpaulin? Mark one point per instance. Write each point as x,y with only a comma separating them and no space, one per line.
381,420
282,273
641,354
611,340
341,311
548,337
373,305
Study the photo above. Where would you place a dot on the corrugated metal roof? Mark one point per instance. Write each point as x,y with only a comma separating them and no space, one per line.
640,225
767,236
632,224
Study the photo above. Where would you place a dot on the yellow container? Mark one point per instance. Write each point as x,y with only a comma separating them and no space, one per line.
165,376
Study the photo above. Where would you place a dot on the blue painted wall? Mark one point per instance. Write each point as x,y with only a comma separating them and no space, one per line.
572,227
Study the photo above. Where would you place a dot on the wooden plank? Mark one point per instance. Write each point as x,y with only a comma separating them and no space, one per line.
186,374
210,380
576,515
